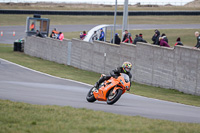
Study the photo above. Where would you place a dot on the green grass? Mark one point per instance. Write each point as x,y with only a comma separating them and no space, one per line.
26,118
89,77
18,117
63,6
10,19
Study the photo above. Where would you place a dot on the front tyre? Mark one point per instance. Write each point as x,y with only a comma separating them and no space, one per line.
90,96
112,98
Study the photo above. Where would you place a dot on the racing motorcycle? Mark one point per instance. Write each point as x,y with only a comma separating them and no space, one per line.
110,90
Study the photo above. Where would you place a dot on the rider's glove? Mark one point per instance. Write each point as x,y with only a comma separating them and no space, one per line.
115,76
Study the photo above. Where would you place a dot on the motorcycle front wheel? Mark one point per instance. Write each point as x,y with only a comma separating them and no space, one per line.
113,97
90,96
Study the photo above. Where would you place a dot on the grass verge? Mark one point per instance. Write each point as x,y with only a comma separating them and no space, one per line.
18,117
92,7
89,77
10,19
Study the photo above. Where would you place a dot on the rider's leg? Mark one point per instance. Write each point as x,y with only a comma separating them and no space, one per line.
101,80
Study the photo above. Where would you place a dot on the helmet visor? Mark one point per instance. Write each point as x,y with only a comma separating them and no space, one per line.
128,69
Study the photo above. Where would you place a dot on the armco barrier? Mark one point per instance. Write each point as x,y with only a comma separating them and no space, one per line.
177,68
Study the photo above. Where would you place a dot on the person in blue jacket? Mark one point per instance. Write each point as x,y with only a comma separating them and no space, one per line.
101,37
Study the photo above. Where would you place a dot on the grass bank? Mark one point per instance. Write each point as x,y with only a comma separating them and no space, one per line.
18,117
26,118
92,7
11,19
91,77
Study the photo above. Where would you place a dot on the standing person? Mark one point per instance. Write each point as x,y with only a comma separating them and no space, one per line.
94,36
52,35
178,42
164,37
140,35
55,31
198,39
38,34
32,26
127,37
117,39
61,36
101,37
139,39
155,37
82,35
163,42
58,35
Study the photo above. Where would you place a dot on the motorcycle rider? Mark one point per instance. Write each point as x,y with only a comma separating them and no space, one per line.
126,68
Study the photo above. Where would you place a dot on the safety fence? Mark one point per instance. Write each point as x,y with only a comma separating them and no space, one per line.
98,13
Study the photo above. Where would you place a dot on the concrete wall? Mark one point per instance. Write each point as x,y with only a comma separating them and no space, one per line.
176,68
186,70
47,48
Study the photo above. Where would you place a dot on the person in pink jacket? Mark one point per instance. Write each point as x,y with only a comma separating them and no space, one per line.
61,37
163,42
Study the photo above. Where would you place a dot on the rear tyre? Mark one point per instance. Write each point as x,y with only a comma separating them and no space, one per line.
90,96
112,98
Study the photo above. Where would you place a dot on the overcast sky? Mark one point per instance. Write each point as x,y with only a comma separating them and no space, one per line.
173,2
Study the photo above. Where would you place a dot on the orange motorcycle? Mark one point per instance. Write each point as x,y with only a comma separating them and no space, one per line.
110,90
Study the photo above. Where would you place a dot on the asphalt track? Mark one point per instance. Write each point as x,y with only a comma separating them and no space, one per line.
21,84
8,37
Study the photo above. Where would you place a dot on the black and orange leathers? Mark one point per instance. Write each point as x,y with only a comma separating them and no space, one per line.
112,83
114,73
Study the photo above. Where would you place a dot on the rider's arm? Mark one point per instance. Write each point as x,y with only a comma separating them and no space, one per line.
115,72
130,77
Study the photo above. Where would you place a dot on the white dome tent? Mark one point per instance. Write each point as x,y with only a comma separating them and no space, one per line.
90,34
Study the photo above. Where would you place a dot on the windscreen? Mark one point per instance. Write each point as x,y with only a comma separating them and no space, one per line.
126,77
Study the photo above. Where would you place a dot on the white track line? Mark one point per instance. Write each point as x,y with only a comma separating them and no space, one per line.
45,73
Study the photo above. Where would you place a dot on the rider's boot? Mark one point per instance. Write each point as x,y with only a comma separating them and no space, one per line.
97,85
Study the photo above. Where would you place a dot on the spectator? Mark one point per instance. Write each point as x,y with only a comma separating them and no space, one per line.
94,36
82,35
163,42
198,39
52,35
57,35
61,36
140,35
164,37
32,26
139,39
178,42
117,39
39,34
155,37
127,37
55,31
101,37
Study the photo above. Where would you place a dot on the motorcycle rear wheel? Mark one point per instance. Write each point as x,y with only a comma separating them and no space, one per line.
112,98
90,96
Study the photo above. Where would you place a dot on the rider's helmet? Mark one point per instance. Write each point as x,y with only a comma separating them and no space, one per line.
127,66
